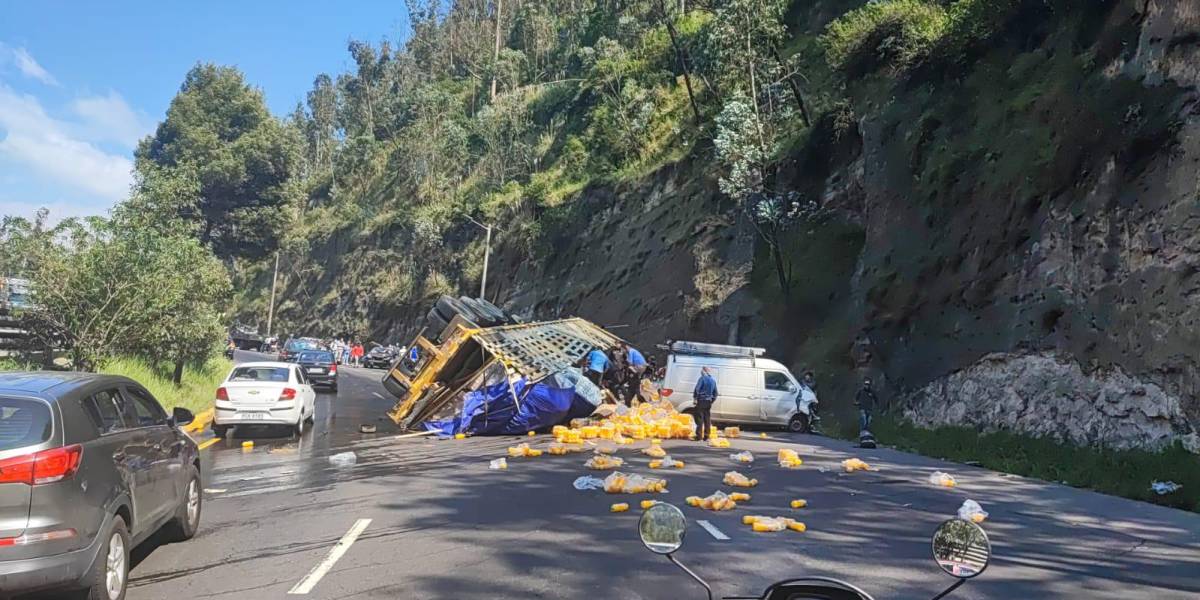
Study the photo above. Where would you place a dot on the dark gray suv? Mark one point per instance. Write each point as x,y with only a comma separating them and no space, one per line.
90,466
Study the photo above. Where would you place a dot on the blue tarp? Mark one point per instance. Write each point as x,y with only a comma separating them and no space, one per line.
494,410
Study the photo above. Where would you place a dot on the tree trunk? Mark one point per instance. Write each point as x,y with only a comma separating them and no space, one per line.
496,52
177,376
680,55
781,272
795,88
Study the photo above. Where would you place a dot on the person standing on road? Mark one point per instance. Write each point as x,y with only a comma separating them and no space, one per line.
595,363
356,354
705,394
865,400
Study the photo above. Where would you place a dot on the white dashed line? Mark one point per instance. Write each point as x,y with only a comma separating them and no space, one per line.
712,529
314,576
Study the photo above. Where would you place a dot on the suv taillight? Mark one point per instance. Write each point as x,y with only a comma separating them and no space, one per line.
222,394
287,394
47,466
332,369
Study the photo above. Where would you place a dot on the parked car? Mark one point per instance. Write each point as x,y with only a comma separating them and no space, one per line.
264,393
752,389
294,346
319,367
381,357
90,466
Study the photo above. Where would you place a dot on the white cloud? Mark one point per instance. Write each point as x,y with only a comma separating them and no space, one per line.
46,145
27,65
110,118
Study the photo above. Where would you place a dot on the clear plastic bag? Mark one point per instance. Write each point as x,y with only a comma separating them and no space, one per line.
972,511
498,464
853,464
745,456
941,479
604,461
344,459
718,442
561,449
718,501
606,448
738,480
771,524
522,449
587,482
788,458
623,483
666,462
655,451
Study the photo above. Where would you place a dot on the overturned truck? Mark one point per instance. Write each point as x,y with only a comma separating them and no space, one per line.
472,363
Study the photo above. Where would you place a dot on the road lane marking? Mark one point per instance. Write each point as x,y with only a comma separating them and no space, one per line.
306,585
208,443
712,529
214,490
378,395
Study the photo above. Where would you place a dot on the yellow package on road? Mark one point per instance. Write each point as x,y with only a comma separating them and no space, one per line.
738,480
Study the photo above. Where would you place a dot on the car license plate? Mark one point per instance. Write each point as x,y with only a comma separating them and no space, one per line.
249,416
315,370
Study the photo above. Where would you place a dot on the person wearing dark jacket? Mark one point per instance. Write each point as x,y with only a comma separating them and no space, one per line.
865,400
705,394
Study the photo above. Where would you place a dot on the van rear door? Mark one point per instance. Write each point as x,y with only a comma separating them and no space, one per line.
25,426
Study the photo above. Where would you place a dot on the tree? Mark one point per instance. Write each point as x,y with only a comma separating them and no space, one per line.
221,140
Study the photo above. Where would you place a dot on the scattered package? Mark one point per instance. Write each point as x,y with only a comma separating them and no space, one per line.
606,448
942,479
769,524
853,464
344,459
733,431
561,449
655,451
499,463
619,507
604,461
522,449
799,503
666,463
622,483
743,457
587,482
789,459
739,497
972,511
717,501
738,480
718,442
648,503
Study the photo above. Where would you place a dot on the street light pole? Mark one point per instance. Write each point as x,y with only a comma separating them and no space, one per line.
274,280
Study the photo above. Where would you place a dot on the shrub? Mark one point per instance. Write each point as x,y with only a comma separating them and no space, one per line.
900,32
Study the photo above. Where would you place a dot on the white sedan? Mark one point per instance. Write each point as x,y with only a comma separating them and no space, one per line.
264,393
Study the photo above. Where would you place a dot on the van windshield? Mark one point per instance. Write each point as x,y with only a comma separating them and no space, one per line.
23,423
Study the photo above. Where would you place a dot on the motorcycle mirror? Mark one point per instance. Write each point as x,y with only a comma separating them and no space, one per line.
662,527
961,548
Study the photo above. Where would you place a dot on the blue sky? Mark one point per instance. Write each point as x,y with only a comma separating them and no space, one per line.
81,82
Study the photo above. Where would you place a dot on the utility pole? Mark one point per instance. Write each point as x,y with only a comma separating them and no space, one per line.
496,53
274,280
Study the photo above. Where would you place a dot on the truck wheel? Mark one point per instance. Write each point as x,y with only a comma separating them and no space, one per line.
435,325
493,312
481,315
395,388
449,306
797,424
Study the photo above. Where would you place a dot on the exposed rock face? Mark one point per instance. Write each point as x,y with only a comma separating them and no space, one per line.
1049,395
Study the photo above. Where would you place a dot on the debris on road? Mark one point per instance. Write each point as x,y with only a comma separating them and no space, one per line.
248,445
460,436
622,483
733,431
666,463
743,457
718,442
587,482
648,503
344,459
601,462
1163,488
972,511
619,507
558,449
655,451
498,464
789,459
772,524
738,480
941,479
718,501
739,497
367,428
853,464
522,449
799,503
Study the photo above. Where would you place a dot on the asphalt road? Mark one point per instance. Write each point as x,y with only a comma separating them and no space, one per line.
442,525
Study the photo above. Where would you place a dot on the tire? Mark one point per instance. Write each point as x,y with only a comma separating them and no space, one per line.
435,325
449,306
797,424
493,311
299,427
183,527
220,430
97,580
480,314
332,388
395,388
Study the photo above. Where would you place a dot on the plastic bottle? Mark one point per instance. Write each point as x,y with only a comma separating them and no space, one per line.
799,503
620,507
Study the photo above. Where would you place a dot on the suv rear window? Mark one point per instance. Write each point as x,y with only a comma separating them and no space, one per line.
23,423
298,345
316,357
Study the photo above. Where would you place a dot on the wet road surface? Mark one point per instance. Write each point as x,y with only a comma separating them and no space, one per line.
434,522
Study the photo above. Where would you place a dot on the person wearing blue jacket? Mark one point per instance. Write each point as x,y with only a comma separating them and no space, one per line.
705,394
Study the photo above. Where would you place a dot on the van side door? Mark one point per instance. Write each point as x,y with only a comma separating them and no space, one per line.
739,394
779,397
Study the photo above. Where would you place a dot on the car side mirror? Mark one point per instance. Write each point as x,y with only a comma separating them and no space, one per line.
182,416
792,388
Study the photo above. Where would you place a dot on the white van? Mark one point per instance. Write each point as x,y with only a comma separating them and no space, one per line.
751,389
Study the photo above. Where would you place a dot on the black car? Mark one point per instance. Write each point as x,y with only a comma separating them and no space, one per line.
380,357
90,466
319,367
295,346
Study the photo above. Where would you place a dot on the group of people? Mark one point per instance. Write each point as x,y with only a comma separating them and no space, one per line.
347,352
619,370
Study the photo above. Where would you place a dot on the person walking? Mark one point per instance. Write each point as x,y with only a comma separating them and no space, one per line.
356,354
595,363
705,394
866,401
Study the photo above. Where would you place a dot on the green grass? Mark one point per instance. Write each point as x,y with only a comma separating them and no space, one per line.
1125,473
195,393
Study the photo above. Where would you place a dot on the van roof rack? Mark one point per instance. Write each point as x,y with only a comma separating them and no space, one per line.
701,348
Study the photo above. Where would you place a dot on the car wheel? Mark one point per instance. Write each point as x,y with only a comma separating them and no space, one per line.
333,388
796,424
110,572
299,427
187,517
220,430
